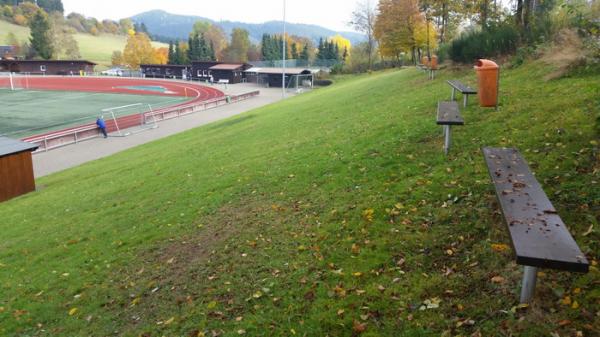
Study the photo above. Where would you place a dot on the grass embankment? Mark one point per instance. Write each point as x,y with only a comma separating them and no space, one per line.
97,49
333,213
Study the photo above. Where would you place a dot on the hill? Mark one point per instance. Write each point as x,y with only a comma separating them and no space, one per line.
332,213
94,48
170,25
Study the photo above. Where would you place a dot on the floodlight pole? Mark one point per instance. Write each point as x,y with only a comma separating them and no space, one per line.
284,51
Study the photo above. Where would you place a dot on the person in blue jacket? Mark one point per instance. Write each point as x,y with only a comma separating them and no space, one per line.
102,126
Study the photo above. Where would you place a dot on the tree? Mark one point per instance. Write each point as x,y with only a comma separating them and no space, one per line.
161,55
171,55
51,5
201,27
294,51
363,20
41,40
240,44
216,40
341,43
138,50
126,25
395,27
117,58
304,55
64,44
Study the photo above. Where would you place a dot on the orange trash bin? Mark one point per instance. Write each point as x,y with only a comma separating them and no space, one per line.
434,62
488,75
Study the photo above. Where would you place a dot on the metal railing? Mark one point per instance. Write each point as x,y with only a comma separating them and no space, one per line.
74,135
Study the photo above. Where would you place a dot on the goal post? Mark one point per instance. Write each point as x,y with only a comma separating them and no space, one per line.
131,119
114,111
301,82
14,81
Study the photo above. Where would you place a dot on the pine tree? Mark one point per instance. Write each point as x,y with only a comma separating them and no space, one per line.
321,50
178,54
191,52
305,55
265,46
294,52
171,56
40,35
211,52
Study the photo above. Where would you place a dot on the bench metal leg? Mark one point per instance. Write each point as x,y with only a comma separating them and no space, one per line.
448,139
453,97
465,100
528,286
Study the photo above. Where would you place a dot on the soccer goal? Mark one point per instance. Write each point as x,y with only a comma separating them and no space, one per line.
130,119
300,83
14,81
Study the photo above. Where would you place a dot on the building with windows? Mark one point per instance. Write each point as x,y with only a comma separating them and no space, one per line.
48,67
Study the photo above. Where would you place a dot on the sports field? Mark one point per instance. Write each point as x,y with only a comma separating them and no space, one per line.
30,112
52,103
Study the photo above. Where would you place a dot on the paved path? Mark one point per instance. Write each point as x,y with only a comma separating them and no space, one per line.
46,163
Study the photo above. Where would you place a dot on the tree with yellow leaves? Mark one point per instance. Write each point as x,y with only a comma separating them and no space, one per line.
402,28
139,51
344,45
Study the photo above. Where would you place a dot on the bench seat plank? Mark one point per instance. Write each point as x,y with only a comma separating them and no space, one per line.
458,85
449,114
539,236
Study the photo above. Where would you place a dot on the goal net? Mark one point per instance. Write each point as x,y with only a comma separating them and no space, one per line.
123,121
300,83
14,81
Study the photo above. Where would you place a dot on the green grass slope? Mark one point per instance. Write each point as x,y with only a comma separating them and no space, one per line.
94,48
334,213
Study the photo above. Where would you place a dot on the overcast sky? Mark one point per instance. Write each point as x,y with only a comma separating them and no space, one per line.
333,14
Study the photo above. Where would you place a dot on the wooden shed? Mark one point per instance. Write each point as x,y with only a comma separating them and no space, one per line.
175,71
232,72
48,67
201,70
16,168
273,77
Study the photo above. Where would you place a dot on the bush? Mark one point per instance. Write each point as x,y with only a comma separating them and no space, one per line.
443,52
322,83
495,41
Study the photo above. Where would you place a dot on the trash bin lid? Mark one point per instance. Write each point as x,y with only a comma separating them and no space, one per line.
484,64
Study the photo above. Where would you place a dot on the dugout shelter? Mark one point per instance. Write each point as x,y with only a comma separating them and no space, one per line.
16,168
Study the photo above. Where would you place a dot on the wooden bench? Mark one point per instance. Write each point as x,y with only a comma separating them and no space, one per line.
539,237
448,115
464,89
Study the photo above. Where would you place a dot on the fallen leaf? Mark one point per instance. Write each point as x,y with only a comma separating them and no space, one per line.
498,279
169,321
432,303
73,311
564,322
359,327
212,305
500,247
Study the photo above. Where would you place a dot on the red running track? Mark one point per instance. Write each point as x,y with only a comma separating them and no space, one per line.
116,85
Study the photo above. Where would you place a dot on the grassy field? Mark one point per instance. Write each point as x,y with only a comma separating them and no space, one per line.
28,112
94,48
334,213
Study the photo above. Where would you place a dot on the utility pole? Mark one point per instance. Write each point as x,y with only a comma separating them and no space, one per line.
284,51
